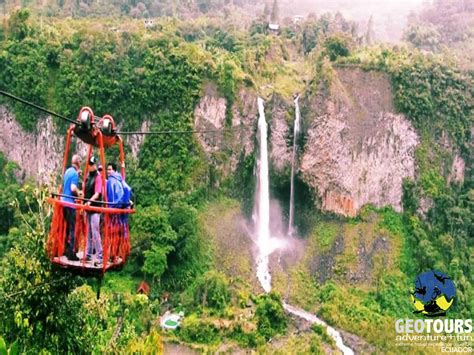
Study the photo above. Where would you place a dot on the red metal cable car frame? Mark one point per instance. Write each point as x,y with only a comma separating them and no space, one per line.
114,230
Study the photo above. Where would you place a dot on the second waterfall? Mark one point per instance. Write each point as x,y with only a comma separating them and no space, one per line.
296,131
265,243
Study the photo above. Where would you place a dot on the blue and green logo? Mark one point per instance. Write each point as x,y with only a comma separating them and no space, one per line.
434,294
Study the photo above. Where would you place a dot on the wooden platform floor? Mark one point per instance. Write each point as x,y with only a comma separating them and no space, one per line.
92,264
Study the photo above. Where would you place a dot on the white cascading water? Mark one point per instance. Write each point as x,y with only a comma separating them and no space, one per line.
267,245
263,203
333,333
296,130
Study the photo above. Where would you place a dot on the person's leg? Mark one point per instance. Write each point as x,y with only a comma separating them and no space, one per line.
90,237
73,232
124,220
115,236
95,227
71,223
68,230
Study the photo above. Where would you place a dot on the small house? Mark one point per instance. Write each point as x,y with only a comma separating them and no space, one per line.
298,19
274,27
143,288
148,23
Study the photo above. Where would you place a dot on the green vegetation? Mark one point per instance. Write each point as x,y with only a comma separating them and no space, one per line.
438,99
434,95
212,291
8,193
443,26
356,275
336,46
271,319
189,240
325,234
123,8
24,66
26,268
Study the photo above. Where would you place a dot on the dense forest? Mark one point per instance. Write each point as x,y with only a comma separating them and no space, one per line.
104,57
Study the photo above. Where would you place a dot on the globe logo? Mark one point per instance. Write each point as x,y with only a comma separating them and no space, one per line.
434,294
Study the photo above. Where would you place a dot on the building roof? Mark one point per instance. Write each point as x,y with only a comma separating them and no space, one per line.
143,288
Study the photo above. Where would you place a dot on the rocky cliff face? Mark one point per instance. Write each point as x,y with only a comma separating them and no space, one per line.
457,170
40,154
237,136
210,114
135,141
358,150
281,144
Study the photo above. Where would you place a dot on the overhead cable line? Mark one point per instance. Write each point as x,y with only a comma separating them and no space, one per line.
181,132
28,103
16,98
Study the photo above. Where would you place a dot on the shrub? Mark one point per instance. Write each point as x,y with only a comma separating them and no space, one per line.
212,290
337,46
271,318
195,330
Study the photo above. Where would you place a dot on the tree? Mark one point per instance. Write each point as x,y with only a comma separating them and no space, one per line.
35,308
188,259
370,34
424,37
151,226
310,36
212,290
266,11
8,193
209,5
271,318
17,24
336,46
275,12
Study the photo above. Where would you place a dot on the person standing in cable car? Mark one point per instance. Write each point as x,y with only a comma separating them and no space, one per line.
93,193
71,189
114,185
114,196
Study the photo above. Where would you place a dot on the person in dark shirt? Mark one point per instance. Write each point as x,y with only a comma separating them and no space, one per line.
94,190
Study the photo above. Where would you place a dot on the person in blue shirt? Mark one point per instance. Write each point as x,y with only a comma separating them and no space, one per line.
69,191
114,197
114,185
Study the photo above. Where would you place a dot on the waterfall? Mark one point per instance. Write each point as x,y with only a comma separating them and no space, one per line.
296,130
263,203
265,244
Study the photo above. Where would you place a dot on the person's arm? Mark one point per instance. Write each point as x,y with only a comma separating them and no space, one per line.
93,198
97,190
74,188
